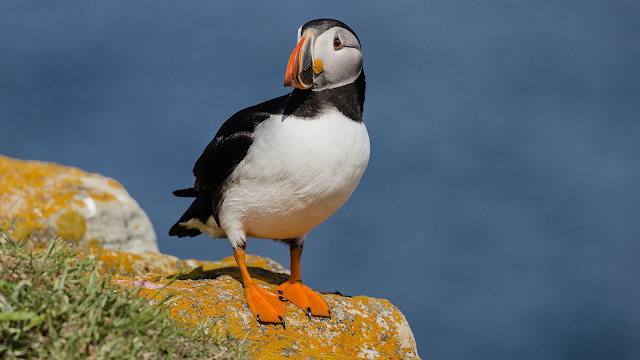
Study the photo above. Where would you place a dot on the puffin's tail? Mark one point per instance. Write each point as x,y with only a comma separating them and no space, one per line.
201,209
190,192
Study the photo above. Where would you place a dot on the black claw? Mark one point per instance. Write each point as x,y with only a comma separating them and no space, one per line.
283,299
259,320
329,313
284,326
309,313
279,291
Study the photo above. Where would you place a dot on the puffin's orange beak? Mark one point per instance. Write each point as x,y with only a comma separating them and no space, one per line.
299,70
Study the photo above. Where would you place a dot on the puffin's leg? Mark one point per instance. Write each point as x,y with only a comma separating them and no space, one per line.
296,292
264,304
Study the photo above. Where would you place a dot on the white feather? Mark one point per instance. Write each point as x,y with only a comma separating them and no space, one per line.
297,173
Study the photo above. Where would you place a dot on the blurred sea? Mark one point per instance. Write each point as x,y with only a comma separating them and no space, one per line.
500,210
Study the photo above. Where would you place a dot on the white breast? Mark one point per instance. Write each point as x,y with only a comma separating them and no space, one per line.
296,174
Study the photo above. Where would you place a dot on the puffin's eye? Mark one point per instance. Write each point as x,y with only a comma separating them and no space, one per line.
337,43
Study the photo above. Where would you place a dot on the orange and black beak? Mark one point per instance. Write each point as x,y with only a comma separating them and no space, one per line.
300,68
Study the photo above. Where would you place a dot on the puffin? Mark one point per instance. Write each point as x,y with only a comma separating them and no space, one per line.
278,169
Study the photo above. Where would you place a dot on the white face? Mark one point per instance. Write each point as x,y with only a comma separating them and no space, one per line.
339,51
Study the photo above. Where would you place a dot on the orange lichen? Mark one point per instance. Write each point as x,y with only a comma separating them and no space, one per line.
33,191
71,225
22,229
103,196
114,183
93,244
360,327
72,181
169,266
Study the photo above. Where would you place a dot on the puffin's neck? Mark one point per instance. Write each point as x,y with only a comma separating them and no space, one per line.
348,99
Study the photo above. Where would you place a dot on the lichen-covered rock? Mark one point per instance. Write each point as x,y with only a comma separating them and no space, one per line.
167,266
45,199
211,292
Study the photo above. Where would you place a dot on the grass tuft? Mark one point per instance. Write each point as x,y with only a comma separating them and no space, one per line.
55,305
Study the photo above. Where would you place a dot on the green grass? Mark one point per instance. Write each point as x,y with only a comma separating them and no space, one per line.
54,305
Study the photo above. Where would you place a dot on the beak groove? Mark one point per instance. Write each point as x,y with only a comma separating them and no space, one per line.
299,72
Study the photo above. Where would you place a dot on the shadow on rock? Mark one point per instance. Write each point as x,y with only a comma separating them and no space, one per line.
267,276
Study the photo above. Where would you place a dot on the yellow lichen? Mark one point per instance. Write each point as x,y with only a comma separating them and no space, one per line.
103,196
93,243
114,183
72,181
36,190
71,225
321,338
22,230
169,266
360,327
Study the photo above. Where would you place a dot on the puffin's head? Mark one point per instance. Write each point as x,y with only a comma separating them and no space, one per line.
327,56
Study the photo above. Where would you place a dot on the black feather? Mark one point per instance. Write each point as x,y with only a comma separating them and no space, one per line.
182,231
232,142
348,99
225,152
322,25
200,209
190,192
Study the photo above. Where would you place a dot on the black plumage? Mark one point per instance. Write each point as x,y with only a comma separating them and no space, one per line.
232,142
322,25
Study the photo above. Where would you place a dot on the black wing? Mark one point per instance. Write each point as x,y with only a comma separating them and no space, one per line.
227,149
232,142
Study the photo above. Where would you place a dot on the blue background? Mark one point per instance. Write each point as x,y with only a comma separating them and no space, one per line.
500,210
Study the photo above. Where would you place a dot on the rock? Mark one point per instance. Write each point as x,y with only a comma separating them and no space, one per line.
168,266
46,199
211,292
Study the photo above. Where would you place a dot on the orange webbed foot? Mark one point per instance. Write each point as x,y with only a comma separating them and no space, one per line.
267,306
305,298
